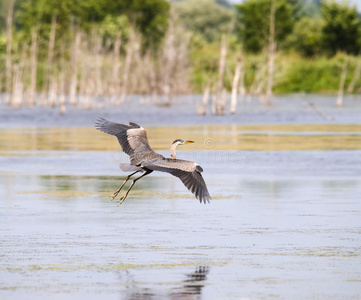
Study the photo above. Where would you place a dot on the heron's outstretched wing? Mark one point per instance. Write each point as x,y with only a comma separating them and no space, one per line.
187,171
132,137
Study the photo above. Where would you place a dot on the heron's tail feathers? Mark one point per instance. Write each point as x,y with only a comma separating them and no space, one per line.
129,168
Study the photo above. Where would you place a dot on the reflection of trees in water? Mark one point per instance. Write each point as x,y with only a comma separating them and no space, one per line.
191,287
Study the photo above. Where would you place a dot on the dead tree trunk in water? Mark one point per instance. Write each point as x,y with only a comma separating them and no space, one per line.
151,76
116,66
17,87
169,59
1,80
18,80
342,82
242,86
356,76
33,66
49,80
74,68
98,62
237,75
127,64
62,79
257,85
9,38
271,53
202,107
219,102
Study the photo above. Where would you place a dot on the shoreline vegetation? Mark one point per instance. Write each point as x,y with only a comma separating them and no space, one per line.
70,53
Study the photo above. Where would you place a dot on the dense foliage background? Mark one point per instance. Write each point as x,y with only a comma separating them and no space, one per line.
176,45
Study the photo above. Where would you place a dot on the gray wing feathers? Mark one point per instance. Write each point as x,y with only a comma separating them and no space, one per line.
178,164
132,137
188,172
137,140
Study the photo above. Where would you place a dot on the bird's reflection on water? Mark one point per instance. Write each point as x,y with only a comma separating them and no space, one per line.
190,288
192,285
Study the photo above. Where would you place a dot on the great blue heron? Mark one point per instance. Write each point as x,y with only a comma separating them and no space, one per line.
133,139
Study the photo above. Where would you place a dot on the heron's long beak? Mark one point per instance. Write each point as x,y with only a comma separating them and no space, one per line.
188,142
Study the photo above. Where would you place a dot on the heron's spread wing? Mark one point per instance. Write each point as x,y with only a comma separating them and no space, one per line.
187,171
132,137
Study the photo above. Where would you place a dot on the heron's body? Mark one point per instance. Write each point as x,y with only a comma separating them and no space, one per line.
143,158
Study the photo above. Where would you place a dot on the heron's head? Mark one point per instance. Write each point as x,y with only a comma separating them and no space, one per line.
182,142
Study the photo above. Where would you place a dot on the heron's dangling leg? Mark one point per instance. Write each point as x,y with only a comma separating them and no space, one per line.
118,190
133,182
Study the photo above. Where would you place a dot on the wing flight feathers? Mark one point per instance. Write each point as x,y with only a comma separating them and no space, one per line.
132,137
188,172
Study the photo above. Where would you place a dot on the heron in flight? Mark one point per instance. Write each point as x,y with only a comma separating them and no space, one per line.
134,141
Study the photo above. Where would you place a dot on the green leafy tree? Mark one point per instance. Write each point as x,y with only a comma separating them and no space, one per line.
4,5
253,22
112,25
306,37
149,16
342,27
205,18
311,9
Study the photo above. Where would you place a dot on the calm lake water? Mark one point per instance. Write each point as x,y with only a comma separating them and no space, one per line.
284,222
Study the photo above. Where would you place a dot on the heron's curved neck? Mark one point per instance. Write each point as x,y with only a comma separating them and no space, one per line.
172,150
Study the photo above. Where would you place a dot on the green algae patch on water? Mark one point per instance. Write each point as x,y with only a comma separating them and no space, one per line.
63,194
103,267
207,137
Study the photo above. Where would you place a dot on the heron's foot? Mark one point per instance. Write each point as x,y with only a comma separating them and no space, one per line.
121,200
114,195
